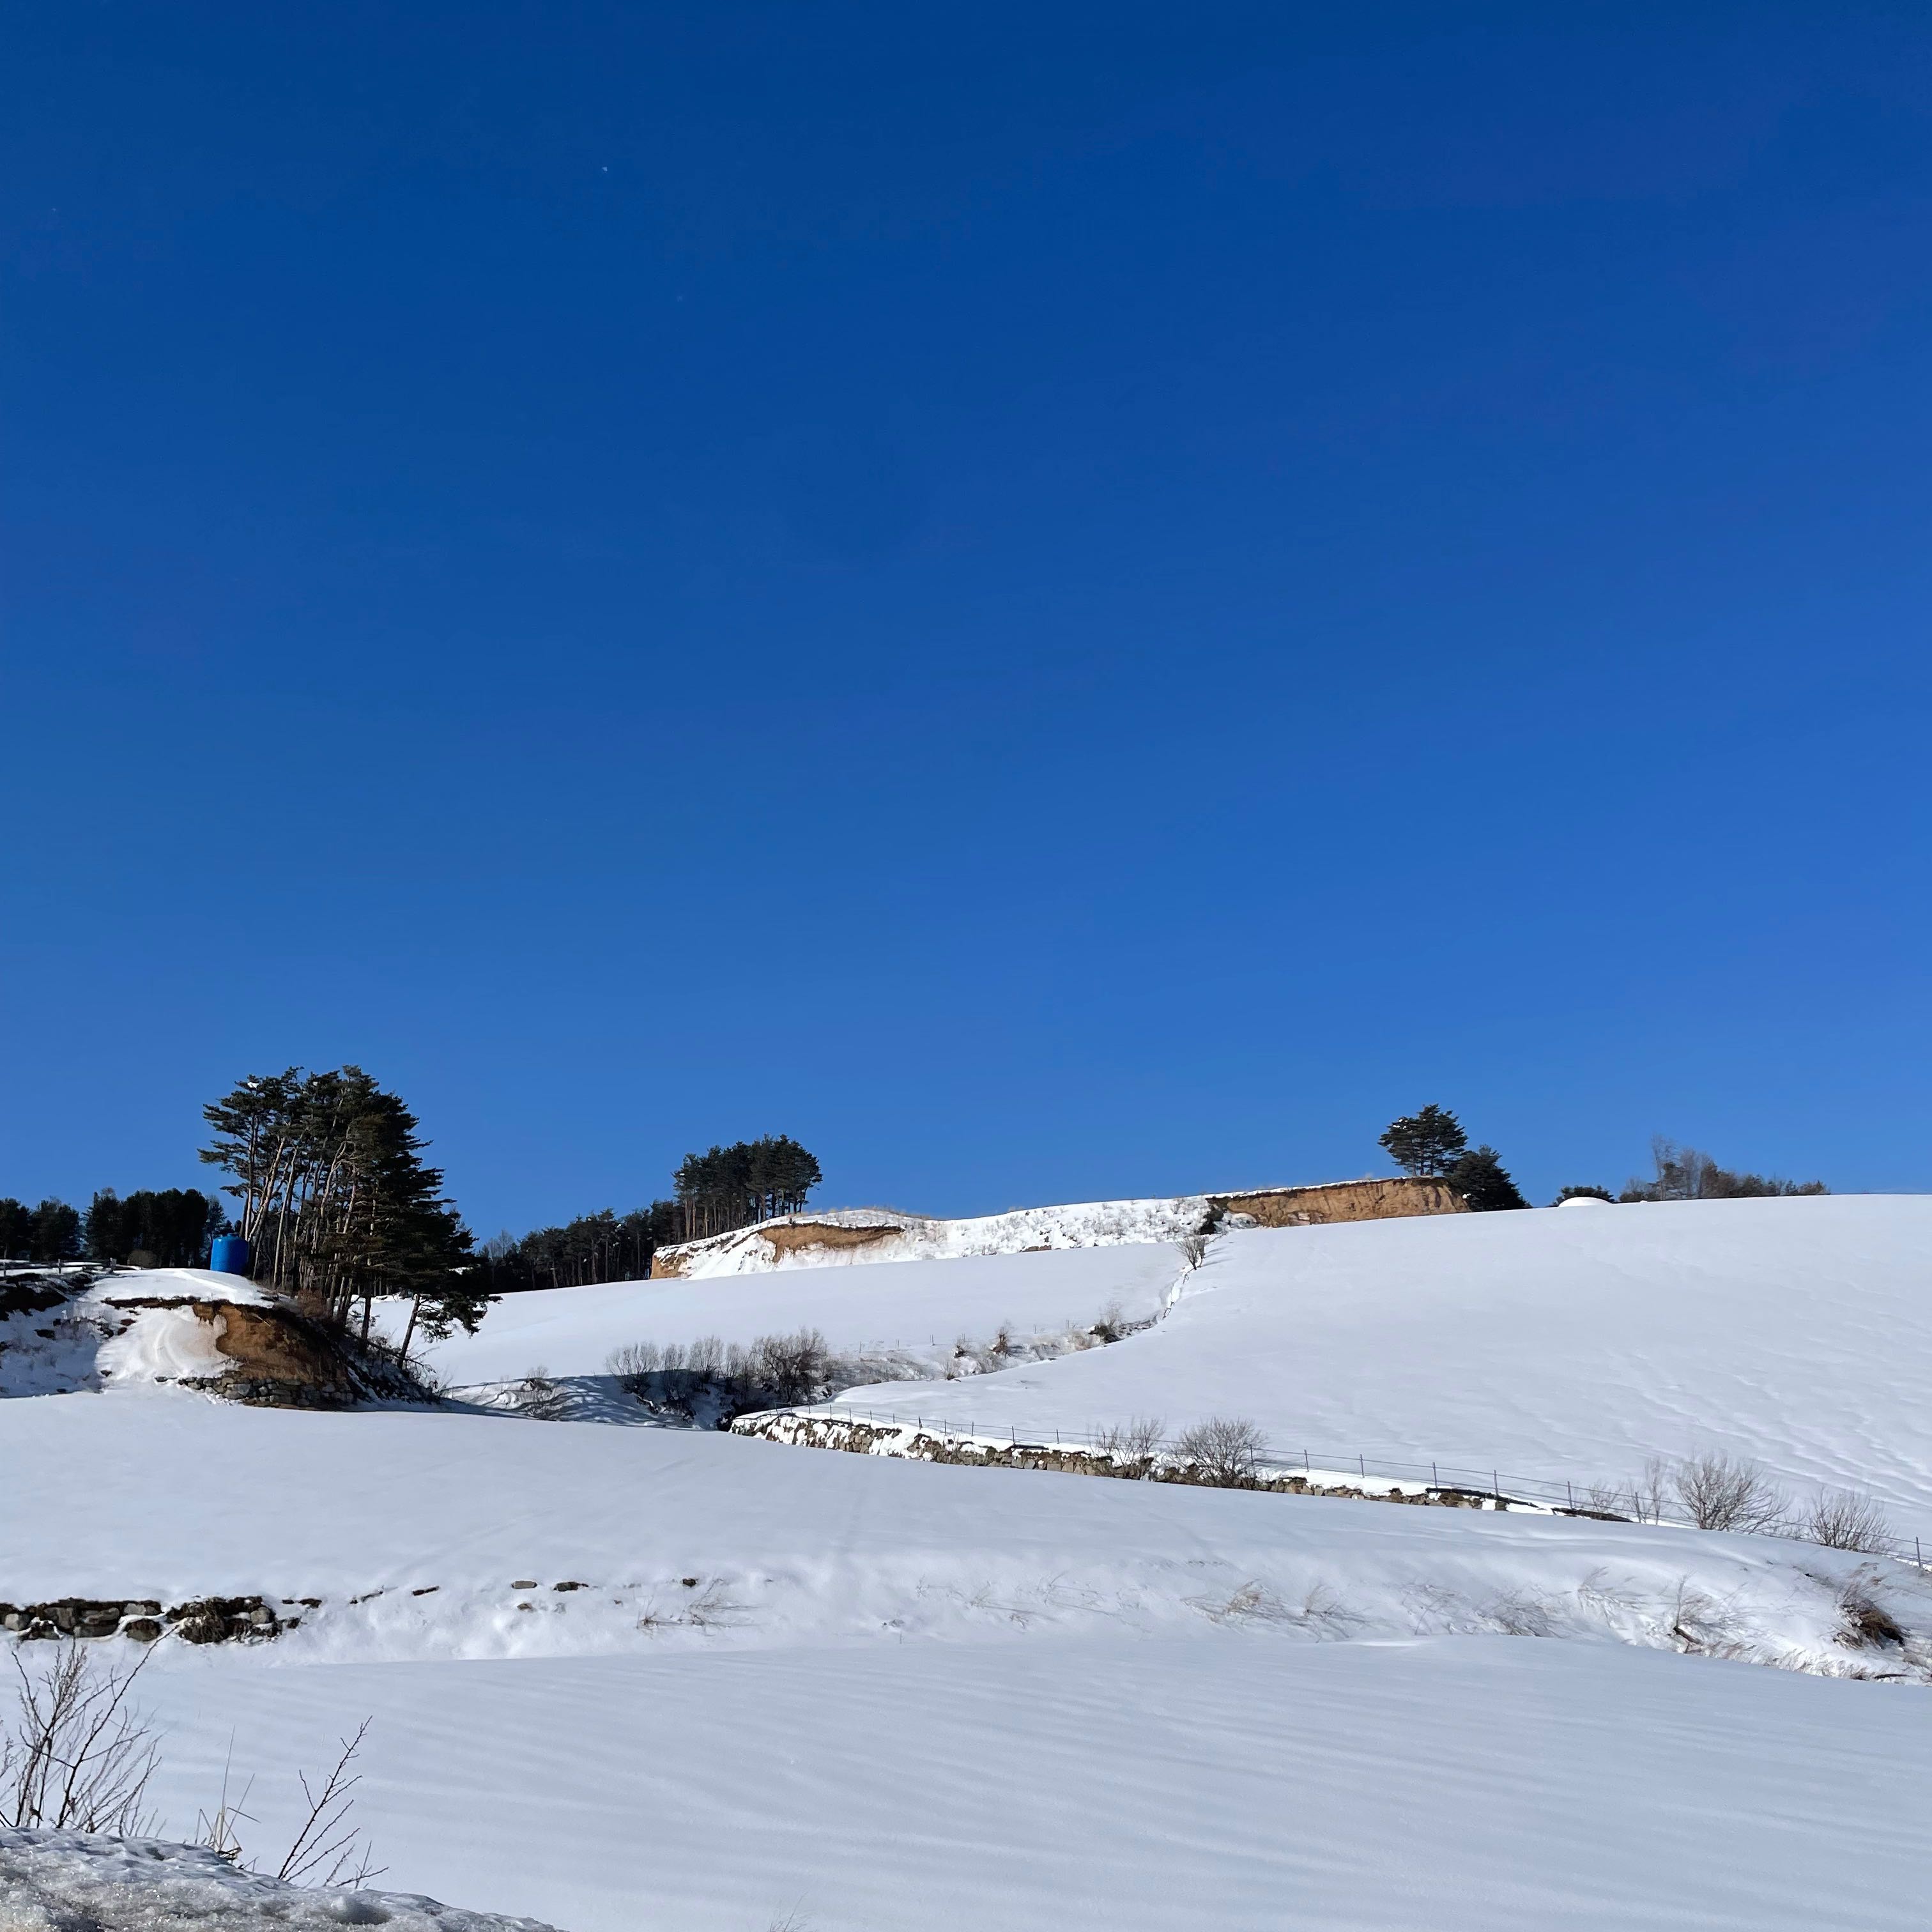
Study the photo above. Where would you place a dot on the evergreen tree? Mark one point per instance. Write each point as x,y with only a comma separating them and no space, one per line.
1427,1143
54,1234
1480,1176
16,1230
336,1201
170,1228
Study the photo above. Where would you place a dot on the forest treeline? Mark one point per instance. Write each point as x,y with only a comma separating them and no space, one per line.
171,1227
722,1189
327,1184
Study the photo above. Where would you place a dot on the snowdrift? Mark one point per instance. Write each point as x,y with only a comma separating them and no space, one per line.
66,1881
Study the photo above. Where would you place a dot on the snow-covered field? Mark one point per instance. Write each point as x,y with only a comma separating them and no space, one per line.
921,1308
873,1694
1228,1780
1557,1343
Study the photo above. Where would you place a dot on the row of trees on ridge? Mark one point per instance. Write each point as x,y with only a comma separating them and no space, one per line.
1432,1141
168,1227
722,1189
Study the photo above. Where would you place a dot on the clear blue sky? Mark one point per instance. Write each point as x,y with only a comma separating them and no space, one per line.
1060,601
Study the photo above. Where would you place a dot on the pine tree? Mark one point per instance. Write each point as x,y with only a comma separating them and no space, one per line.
16,1230
1480,1176
336,1200
1427,1143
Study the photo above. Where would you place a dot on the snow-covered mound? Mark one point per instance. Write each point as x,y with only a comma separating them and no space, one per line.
1544,1344
902,1306
841,1237
87,1881
131,1325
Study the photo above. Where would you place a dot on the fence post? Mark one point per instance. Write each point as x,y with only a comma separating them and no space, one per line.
1361,1467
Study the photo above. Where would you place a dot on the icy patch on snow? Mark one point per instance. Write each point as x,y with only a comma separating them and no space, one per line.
87,1881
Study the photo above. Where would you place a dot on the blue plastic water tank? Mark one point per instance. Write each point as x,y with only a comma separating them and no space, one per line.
228,1254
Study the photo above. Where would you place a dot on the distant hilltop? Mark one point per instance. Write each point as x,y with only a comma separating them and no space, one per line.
819,1238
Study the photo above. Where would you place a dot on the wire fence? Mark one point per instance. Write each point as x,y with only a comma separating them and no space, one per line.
1329,1471
1272,1459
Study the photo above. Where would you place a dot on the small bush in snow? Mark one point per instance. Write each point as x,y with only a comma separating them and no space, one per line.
1715,1492
540,1397
1841,1521
79,1754
1134,1444
1226,1449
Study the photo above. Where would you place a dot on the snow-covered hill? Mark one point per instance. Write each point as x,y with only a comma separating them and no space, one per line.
651,1676
1557,1343
919,1307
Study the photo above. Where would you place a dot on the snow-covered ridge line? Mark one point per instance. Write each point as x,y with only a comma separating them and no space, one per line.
836,1237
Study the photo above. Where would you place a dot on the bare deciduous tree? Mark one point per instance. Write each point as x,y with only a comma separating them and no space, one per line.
1227,1449
1133,1444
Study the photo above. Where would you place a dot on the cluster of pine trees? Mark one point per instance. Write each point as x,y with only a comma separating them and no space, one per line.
738,1186
170,1227
336,1201
1433,1142
724,1188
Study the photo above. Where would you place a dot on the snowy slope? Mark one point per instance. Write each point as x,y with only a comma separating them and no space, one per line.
132,1325
1227,1782
1551,1343
913,1238
910,1305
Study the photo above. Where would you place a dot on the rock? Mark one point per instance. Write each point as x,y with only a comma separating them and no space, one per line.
142,1630
531,1585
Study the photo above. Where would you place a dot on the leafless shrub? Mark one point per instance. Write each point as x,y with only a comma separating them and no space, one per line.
1517,1613
1133,1445
1226,1449
711,1608
1716,1493
540,1397
1110,1324
1864,1622
80,1754
792,1368
1193,1250
1700,1625
327,1843
634,1364
1840,1520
